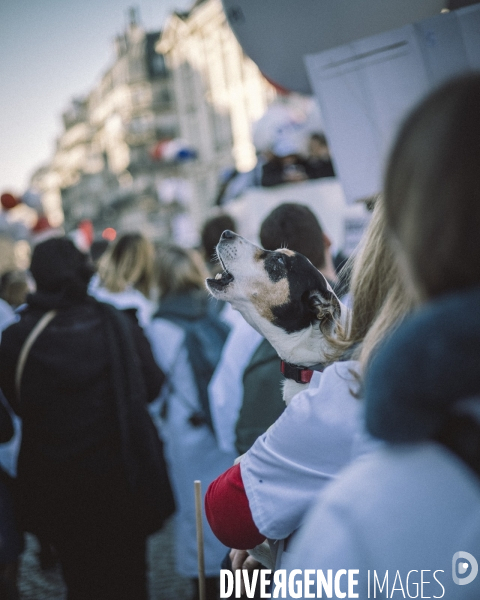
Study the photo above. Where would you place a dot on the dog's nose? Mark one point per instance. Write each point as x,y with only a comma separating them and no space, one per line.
227,235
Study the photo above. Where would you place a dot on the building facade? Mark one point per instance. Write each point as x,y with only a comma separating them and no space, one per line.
219,94
103,168
193,84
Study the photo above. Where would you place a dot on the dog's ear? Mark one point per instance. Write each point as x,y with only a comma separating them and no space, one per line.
323,305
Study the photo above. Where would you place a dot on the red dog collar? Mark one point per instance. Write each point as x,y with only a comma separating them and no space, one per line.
299,374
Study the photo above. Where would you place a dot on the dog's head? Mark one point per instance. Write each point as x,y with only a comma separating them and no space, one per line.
280,293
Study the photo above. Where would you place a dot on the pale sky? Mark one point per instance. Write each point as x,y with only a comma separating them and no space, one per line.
51,51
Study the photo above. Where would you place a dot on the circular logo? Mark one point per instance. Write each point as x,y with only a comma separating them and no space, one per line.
462,562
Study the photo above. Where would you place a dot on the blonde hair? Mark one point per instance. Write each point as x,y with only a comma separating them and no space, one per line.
129,261
180,270
380,300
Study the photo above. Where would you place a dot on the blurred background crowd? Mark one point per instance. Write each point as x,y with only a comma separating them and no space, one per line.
122,381
180,138
180,123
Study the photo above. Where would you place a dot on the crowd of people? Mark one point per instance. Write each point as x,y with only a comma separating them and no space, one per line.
129,382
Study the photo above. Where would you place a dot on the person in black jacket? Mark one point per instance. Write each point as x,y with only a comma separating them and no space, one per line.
83,478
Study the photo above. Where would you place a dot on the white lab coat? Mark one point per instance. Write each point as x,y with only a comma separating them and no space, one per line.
319,433
191,452
405,508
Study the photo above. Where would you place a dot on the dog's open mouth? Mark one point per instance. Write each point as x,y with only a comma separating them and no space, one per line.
220,281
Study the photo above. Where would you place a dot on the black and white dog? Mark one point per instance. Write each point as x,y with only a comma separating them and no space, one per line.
285,298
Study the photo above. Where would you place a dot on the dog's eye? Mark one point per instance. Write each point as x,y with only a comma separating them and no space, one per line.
280,258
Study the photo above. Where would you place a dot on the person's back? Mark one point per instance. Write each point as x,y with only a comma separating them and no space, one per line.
76,456
68,365
204,334
186,333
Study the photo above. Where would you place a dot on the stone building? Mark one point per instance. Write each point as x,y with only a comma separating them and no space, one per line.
193,84
219,94
102,168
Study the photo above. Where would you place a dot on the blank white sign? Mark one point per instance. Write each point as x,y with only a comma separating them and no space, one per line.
366,88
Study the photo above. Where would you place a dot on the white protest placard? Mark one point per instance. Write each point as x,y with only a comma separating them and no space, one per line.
365,88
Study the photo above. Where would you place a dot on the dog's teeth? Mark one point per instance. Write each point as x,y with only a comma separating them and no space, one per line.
218,276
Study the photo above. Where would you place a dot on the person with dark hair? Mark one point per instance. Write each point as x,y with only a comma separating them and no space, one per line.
415,504
319,162
296,227
211,231
90,471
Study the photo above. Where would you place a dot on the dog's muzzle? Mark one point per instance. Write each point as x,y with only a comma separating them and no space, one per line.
222,280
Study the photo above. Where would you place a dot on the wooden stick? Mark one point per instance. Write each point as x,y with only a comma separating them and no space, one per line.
201,557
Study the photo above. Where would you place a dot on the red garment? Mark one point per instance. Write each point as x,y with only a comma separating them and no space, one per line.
228,511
